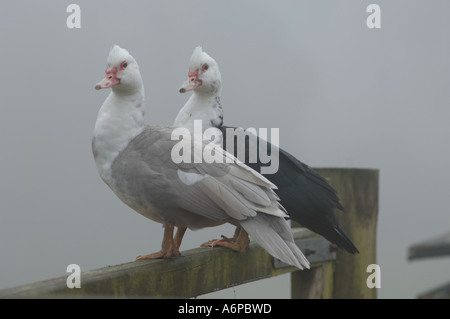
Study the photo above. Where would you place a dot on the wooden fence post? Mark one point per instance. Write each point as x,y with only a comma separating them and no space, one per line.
315,283
358,191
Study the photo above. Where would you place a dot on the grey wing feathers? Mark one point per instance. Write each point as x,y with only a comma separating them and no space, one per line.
274,235
239,199
234,187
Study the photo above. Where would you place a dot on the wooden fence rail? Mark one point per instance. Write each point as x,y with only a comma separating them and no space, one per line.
334,274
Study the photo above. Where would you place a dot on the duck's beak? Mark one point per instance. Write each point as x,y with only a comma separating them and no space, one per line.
109,80
191,83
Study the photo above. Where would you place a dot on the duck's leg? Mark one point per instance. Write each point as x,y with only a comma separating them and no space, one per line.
167,246
177,240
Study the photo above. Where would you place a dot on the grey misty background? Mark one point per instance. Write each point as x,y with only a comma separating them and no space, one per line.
341,94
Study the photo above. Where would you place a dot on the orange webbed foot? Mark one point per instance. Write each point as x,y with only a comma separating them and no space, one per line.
239,242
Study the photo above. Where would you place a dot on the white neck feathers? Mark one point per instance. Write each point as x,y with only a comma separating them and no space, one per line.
119,120
200,107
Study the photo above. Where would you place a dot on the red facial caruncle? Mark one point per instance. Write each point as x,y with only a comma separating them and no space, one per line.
193,81
110,78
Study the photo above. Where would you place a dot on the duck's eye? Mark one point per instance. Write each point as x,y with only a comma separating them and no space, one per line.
205,67
123,65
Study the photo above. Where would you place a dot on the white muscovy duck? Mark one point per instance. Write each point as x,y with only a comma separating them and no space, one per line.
307,196
135,161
